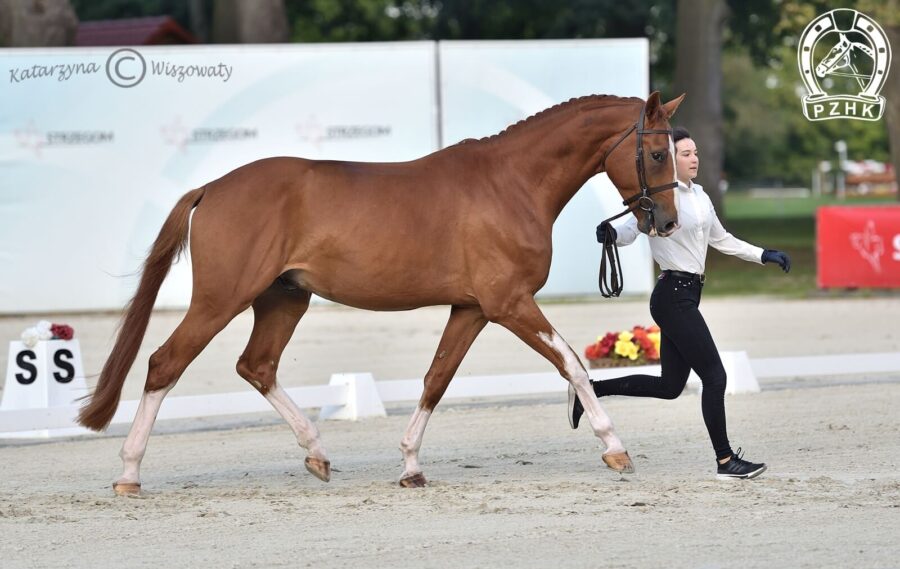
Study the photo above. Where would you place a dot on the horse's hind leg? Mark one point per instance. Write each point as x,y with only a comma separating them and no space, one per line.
463,327
201,323
276,313
524,318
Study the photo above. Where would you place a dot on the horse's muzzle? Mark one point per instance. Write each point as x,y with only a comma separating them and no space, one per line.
661,224
667,229
657,224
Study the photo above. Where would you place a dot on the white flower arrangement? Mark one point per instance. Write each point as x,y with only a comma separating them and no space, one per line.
46,330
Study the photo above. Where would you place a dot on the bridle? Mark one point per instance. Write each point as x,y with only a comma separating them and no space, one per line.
644,202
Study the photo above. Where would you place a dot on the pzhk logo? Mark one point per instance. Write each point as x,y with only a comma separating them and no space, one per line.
857,61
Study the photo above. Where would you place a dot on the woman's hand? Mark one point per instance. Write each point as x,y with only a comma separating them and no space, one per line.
602,229
780,257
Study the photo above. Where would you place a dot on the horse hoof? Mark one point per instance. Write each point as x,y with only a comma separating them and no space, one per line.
620,462
319,468
415,481
127,488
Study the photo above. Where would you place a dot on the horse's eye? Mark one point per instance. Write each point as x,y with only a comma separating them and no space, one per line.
658,156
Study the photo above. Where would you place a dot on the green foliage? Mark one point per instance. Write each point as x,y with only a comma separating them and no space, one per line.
753,27
885,12
357,20
390,20
767,138
537,19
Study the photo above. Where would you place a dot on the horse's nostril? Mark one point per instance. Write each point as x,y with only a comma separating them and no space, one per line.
671,226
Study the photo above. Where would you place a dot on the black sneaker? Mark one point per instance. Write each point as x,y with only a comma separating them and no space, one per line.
575,408
739,469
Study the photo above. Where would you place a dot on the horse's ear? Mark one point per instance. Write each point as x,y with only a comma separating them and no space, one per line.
652,106
672,105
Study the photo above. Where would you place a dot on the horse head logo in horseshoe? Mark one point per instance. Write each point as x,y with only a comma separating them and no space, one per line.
861,52
843,55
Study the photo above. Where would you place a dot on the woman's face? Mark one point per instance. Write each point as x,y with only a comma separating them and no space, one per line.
687,160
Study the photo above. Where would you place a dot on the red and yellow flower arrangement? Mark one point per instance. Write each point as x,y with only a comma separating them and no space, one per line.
637,346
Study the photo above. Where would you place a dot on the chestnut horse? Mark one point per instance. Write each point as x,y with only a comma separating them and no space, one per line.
468,226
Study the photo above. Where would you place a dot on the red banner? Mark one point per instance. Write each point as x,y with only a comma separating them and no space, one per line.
858,246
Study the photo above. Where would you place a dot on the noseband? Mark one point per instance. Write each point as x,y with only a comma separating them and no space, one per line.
644,202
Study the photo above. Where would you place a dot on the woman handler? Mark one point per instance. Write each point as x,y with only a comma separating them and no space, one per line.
686,342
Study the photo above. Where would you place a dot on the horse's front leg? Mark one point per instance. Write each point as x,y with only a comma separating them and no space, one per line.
463,327
522,316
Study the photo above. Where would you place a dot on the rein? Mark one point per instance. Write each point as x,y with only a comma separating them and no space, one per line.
612,286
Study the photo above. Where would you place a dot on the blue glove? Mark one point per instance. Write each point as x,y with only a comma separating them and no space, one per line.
779,257
601,232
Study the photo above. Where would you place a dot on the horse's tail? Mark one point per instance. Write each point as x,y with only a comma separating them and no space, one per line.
98,411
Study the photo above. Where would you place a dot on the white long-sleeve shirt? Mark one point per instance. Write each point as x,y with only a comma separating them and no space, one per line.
699,227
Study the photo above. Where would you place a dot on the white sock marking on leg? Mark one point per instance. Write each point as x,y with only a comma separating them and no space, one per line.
412,441
135,444
600,422
305,430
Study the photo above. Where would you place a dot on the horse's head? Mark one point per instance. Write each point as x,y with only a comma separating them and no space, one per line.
833,60
642,175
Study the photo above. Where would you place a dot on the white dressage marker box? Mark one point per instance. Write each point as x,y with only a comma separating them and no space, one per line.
50,374
362,400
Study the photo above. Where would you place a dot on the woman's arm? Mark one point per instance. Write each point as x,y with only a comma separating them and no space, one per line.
729,244
627,232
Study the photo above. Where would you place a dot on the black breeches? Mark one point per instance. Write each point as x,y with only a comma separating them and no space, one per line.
685,344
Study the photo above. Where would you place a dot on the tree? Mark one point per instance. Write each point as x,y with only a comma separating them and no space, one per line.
199,13
698,72
33,23
892,94
887,14
260,21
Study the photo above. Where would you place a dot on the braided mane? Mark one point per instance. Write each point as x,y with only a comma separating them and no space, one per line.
540,117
